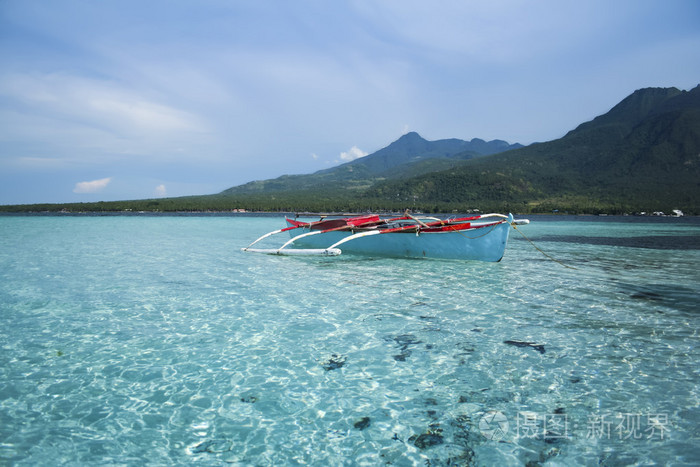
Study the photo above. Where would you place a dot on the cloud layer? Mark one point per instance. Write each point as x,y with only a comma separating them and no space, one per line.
216,94
94,186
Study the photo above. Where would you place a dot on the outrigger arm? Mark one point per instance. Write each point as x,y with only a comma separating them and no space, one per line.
269,234
330,251
301,251
307,234
353,237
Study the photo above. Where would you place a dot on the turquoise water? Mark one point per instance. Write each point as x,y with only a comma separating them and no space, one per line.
131,340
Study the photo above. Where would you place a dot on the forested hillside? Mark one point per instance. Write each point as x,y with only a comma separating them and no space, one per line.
408,156
642,155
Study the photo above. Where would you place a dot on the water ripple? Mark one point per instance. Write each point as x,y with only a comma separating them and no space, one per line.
133,339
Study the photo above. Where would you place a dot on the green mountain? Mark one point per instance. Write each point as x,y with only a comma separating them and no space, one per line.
411,148
408,156
642,155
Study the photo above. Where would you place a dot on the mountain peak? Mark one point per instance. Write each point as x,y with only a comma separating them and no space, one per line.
642,101
410,139
411,135
632,110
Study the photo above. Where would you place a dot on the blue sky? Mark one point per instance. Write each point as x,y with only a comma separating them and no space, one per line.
123,99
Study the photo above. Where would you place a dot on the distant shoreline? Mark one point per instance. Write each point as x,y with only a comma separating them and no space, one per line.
549,216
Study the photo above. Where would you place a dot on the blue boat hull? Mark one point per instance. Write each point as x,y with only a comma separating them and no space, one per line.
481,244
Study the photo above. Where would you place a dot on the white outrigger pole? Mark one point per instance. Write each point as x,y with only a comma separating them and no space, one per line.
274,232
331,251
305,251
292,251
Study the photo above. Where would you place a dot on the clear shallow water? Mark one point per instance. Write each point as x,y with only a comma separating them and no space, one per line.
134,339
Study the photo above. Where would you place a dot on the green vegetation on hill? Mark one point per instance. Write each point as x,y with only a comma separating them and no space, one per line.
642,155
408,156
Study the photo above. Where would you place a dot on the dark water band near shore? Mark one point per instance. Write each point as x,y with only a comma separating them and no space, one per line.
654,242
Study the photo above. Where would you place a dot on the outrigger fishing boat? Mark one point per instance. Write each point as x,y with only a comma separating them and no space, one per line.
481,237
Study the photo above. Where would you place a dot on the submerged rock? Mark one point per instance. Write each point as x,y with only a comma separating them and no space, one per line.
362,423
427,439
333,363
538,347
643,295
404,341
213,446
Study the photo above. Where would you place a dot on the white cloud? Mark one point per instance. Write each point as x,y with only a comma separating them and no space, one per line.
94,186
99,101
352,154
139,114
160,190
79,119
